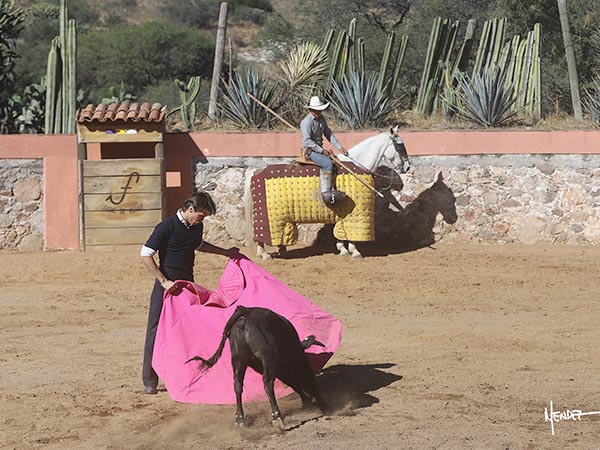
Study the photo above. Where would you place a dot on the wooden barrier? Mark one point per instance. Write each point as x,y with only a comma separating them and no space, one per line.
122,201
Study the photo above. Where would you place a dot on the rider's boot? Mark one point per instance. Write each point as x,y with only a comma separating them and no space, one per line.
330,195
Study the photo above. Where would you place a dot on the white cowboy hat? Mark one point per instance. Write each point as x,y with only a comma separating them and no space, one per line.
316,104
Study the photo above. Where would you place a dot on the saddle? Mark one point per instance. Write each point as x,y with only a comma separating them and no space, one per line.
304,160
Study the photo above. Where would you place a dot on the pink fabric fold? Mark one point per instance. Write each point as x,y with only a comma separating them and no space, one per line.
192,323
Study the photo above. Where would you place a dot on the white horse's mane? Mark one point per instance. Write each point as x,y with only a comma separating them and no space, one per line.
367,142
369,152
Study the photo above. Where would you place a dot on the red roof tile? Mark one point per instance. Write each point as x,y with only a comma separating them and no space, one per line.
125,111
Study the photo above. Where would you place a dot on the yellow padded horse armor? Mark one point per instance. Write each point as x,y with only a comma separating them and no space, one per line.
284,195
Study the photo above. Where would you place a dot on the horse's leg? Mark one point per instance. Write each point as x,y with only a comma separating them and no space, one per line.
353,250
342,249
261,252
282,251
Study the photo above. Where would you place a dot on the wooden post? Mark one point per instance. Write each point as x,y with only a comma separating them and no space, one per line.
570,54
81,156
81,151
219,49
159,150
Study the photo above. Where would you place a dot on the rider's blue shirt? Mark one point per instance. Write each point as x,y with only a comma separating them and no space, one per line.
313,129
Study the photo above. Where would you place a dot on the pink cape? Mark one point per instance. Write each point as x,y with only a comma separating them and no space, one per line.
192,322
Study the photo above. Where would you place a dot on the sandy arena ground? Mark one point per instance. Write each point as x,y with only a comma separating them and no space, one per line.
450,347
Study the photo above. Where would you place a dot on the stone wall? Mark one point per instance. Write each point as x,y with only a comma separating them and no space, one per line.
498,199
21,204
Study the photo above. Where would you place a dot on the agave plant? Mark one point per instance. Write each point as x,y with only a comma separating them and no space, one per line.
305,68
358,101
237,106
485,98
595,41
591,102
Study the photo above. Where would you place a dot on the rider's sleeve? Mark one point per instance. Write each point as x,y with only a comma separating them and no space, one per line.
307,141
331,137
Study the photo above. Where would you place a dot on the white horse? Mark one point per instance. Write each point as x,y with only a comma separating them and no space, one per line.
383,149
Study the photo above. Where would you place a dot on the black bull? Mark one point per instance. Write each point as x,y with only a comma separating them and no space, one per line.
268,343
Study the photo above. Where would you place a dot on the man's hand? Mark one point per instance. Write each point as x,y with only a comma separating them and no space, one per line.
327,152
169,286
343,151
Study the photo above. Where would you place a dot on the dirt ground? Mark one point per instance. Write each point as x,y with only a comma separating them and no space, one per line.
449,347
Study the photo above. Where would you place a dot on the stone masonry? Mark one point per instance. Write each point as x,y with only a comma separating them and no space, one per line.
530,199
21,204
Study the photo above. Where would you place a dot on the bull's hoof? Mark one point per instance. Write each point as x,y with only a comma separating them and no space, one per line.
240,422
278,425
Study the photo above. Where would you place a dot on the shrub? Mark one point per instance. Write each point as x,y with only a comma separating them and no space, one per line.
142,56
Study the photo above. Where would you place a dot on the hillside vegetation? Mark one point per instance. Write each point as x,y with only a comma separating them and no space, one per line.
137,49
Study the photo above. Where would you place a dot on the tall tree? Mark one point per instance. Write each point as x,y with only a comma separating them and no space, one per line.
387,15
570,54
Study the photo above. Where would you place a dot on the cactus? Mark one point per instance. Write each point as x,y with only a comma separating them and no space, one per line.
441,44
520,57
491,44
188,94
27,110
347,56
385,59
397,64
61,77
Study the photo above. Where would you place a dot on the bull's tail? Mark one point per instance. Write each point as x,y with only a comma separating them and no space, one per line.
239,312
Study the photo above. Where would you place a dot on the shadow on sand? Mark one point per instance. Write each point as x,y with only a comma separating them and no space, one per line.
398,229
344,386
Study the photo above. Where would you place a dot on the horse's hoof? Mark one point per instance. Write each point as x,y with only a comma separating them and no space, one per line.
266,256
342,249
357,255
278,425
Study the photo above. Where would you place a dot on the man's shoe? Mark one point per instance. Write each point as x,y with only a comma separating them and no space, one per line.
150,390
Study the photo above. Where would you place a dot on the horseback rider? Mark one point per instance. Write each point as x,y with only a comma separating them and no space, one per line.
313,128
